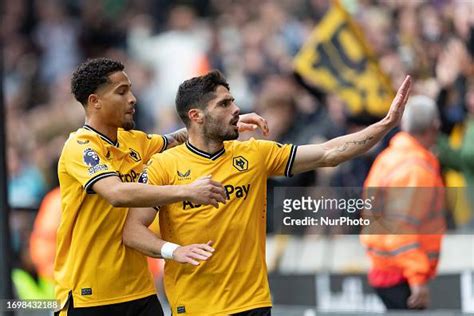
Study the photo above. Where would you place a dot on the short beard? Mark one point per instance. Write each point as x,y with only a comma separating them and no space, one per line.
128,125
212,130
230,136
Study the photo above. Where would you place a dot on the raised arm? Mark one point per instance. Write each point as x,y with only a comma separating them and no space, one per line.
340,149
137,235
247,122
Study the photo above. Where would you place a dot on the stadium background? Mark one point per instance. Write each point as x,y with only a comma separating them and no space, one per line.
254,43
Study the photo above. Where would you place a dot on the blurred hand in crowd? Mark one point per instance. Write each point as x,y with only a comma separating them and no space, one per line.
451,62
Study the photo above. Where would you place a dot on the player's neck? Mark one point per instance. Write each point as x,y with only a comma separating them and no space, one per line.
106,130
206,145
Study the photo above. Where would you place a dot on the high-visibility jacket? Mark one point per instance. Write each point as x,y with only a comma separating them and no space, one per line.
408,177
43,236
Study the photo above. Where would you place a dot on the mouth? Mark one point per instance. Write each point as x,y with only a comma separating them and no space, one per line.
131,112
234,121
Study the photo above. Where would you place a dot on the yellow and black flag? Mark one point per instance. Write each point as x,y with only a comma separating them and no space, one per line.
337,59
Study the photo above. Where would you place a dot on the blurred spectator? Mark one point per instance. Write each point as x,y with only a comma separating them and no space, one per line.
56,35
462,159
102,26
26,281
406,177
174,55
43,236
26,184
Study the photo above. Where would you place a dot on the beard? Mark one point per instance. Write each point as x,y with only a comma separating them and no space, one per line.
218,131
128,125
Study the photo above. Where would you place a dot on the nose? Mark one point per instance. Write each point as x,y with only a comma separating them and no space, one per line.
236,110
132,99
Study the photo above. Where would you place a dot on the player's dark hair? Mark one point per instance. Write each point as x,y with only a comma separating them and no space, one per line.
197,92
92,74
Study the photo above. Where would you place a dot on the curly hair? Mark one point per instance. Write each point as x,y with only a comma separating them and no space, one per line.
92,74
197,92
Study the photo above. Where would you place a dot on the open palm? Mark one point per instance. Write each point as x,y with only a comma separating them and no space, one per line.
397,107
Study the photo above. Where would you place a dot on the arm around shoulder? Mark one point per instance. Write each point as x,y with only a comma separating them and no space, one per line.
123,194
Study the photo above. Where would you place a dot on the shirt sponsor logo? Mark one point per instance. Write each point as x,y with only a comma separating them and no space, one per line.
129,177
231,192
237,191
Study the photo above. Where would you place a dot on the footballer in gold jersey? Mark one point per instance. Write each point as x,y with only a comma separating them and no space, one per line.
99,165
234,279
89,219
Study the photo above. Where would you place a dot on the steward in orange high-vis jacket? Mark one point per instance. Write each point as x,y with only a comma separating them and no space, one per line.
407,175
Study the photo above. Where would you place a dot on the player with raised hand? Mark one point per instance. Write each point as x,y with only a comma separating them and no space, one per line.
234,279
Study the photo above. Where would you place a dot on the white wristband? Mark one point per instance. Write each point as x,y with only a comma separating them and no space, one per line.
167,250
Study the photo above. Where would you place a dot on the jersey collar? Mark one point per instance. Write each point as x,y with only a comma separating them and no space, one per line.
204,154
102,136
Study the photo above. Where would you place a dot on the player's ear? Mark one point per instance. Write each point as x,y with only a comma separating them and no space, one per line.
94,101
196,115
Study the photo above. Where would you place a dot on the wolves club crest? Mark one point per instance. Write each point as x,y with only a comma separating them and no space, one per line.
135,155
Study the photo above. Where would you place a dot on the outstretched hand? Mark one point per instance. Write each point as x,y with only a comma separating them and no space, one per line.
397,107
251,121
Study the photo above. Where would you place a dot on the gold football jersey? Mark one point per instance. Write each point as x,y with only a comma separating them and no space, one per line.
234,279
92,264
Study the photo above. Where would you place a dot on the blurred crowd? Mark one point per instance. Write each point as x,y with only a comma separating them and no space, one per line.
253,42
